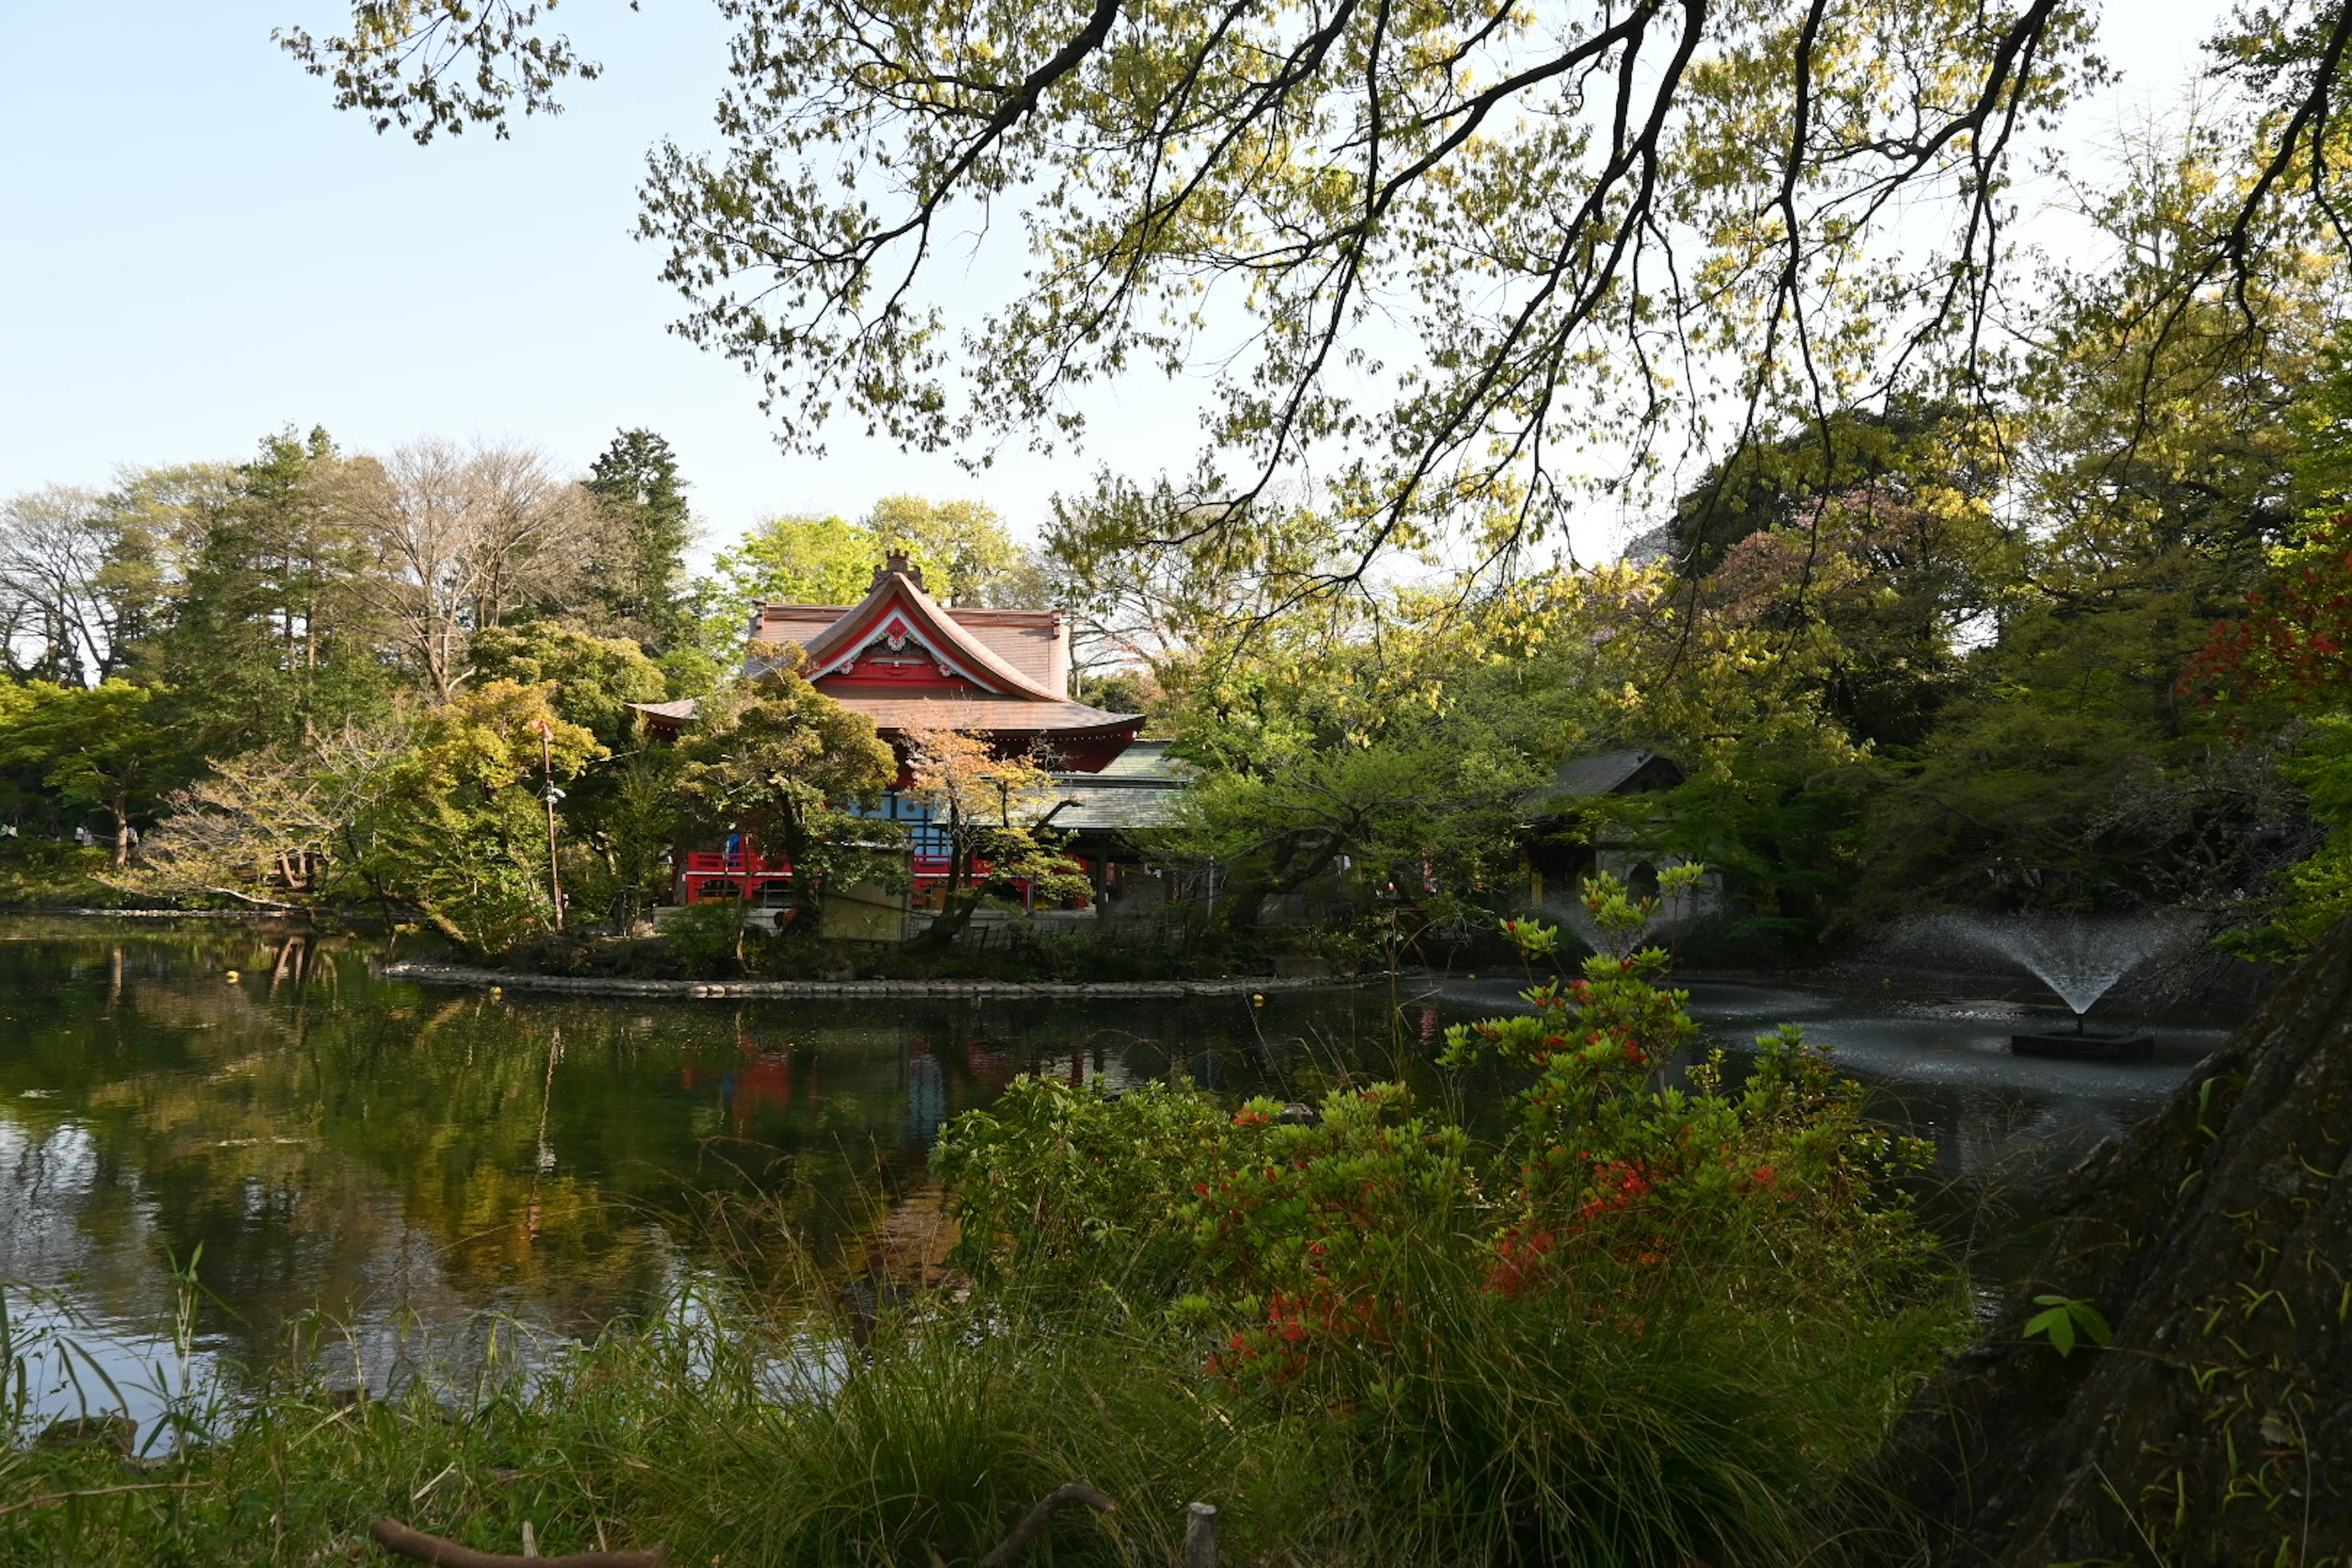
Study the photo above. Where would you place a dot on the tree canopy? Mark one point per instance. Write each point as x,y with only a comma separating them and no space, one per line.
1450,263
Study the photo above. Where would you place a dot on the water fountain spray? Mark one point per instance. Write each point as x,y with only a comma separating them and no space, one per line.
2079,957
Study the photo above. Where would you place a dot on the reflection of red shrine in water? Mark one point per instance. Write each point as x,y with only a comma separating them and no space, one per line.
907,662
765,1079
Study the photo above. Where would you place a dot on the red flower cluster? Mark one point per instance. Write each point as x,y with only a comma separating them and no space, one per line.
2294,634
1293,1320
1516,1258
1618,1184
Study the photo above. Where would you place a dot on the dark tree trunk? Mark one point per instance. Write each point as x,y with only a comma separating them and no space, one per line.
2217,1428
957,901
1274,873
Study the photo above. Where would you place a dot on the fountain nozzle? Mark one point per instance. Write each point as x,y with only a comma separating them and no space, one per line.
2078,1023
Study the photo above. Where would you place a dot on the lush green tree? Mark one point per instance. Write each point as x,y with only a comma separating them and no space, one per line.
960,546
1859,453
1879,586
622,838
966,555
637,580
595,678
777,760
104,748
805,559
458,832
1397,765
269,638
621,812
2159,461
280,827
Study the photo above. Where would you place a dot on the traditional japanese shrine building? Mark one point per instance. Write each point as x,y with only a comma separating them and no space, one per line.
908,662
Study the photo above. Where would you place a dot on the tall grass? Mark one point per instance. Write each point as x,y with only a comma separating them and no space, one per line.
1503,1432
1590,1429
712,1433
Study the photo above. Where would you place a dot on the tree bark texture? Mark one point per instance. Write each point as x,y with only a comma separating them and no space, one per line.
2216,1427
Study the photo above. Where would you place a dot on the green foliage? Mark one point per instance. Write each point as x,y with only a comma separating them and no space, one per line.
282,826
1057,1186
101,747
626,827
638,582
808,560
459,832
1408,761
960,547
271,635
783,763
2314,893
707,936
595,678
1645,1327
39,871
1783,826
2062,1318
966,556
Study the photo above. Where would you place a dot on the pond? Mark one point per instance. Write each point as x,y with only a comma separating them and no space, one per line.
411,1164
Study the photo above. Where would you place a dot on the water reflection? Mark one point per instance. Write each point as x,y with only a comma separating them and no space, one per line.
405,1159
402,1159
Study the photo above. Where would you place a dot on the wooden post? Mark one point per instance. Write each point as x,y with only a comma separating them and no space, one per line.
1200,1536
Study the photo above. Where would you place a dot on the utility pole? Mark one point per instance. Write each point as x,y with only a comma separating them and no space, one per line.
551,794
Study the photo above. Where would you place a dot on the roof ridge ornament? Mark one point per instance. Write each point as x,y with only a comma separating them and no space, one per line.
897,564
898,600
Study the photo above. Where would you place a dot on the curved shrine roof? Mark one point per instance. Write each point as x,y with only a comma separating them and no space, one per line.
1002,671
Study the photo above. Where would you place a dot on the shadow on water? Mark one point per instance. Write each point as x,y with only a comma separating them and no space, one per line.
415,1166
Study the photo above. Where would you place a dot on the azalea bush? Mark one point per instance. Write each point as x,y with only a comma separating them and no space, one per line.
1646,1323
2293,644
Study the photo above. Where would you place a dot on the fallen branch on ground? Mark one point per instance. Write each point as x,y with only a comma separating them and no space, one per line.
1029,1529
398,1539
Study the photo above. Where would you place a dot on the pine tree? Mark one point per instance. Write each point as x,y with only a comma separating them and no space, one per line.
270,638
637,579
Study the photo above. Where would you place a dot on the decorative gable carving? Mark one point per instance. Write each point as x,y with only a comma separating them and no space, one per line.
901,650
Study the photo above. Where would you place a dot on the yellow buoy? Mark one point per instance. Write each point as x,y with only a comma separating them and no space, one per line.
232,978
1257,998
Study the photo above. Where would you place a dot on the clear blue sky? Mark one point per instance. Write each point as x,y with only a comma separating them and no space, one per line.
195,250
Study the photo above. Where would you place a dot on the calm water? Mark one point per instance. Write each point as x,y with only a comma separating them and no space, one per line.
411,1161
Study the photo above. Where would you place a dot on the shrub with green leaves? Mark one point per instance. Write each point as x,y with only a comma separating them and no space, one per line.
1649,1324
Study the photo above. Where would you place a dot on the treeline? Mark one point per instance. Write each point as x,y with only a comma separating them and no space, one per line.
2067,638
2072,640
318,678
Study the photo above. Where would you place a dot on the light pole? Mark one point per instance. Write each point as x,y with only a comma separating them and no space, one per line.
551,794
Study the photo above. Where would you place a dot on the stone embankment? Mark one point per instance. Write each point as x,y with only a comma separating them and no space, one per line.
697,990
